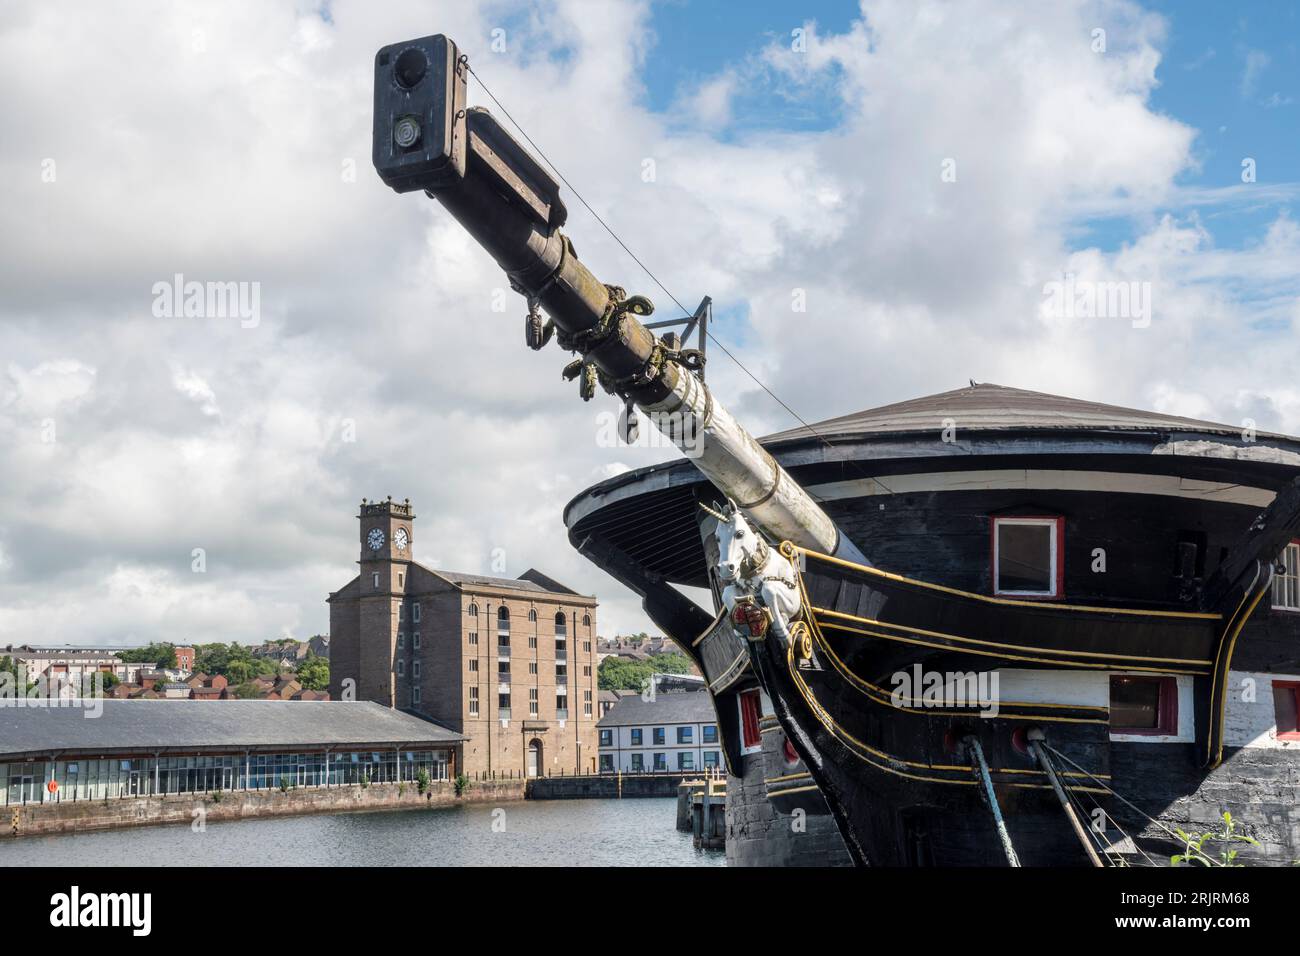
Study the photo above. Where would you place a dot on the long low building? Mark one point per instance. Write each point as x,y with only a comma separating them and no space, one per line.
675,731
94,750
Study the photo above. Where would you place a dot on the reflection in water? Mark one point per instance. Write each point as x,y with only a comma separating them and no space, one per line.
531,833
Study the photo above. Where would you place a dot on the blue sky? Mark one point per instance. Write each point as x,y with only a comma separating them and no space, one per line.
1230,70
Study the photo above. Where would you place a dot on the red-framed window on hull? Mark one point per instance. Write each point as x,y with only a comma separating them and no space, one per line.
1143,705
1028,555
751,708
1286,707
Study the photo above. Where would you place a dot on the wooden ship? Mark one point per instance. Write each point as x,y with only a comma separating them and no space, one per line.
983,627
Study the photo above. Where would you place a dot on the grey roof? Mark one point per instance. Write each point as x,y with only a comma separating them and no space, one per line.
988,407
684,707
149,725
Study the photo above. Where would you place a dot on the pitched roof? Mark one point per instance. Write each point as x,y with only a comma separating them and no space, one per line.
988,407
149,725
684,707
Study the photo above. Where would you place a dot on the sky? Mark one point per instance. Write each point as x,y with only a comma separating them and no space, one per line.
879,198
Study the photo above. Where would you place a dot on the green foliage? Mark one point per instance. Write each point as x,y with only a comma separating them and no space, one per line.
422,780
247,691
9,666
284,784
620,673
314,673
217,796
462,784
1194,850
164,655
239,671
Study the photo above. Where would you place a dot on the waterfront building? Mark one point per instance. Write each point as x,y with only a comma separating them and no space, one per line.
138,748
667,731
509,662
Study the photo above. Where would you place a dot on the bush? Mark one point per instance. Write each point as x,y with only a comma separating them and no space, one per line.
422,780
462,784
284,784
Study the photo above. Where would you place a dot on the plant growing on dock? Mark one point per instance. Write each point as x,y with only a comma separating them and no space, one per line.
401,789
365,781
462,784
1195,844
217,796
284,784
422,780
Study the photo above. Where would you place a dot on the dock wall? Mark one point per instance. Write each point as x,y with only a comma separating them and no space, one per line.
68,817
605,785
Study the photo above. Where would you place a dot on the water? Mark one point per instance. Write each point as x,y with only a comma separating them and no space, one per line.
536,833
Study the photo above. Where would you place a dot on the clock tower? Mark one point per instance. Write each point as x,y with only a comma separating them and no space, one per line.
385,558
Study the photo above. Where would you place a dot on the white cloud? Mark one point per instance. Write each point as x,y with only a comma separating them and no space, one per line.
220,147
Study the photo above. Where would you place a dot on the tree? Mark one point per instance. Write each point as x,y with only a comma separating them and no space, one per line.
238,672
247,691
314,673
620,673
164,655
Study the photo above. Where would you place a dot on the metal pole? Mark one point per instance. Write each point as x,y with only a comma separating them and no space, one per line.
1041,755
982,771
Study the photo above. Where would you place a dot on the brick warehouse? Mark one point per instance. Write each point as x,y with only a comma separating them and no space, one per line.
508,662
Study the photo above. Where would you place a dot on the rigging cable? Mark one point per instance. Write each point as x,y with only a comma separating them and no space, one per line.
1129,803
646,269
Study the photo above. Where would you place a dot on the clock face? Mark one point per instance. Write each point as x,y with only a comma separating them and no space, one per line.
400,539
375,539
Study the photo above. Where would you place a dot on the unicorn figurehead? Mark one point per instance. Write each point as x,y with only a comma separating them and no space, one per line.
751,571
742,550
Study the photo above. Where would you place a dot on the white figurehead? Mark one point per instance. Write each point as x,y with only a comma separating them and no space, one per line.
752,571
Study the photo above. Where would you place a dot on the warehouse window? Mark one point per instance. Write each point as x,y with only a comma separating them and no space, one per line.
415,612
1143,705
473,610
1286,584
1028,556
473,701
1286,704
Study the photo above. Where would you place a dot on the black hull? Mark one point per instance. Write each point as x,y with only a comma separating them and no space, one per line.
895,773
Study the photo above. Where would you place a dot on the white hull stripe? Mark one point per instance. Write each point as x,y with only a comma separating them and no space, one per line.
1049,480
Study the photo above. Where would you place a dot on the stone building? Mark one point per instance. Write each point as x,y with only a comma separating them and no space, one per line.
508,662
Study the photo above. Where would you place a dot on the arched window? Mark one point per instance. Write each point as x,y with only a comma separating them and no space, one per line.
586,620
532,614
559,619
503,613
473,610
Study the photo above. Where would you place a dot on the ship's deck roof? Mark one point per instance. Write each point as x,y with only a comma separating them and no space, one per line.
988,407
651,515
